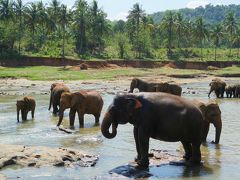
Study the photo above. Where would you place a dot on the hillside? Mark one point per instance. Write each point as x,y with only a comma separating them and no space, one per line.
211,14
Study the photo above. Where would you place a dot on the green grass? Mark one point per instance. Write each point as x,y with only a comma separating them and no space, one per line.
58,73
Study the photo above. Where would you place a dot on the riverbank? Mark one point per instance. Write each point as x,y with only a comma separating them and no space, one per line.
47,73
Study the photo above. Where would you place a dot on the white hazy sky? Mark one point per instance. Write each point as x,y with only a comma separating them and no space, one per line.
118,9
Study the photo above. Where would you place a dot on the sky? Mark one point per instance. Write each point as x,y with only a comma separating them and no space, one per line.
118,9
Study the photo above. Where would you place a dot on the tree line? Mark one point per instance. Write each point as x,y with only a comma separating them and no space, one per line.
55,30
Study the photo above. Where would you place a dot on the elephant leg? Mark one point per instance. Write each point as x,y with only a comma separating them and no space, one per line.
135,132
143,140
97,119
196,153
23,115
81,119
205,132
55,107
188,150
72,114
32,112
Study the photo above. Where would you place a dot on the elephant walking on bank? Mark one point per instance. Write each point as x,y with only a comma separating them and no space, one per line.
160,116
218,86
144,86
56,91
25,105
211,114
82,102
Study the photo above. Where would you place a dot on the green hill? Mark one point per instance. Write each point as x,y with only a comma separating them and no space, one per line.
211,14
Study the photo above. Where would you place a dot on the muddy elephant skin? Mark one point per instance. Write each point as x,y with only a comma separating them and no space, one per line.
56,91
160,116
237,91
142,86
212,115
82,102
25,105
169,88
218,86
230,91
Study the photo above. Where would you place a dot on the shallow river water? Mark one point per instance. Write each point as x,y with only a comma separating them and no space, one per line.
219,161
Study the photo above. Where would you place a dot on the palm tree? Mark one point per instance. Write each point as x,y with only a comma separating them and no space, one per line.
31,18
200,32
64,18
54,10
168,25
80,23
180,27
5,10
217,34
19,9
231,27
236,41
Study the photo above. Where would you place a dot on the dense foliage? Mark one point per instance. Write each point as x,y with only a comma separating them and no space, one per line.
83,31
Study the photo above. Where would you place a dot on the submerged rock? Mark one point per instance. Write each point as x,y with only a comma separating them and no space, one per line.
44,156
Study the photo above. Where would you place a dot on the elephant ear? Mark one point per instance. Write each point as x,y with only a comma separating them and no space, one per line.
133,104
78,98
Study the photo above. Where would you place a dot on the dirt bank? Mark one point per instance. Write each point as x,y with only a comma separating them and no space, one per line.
43,61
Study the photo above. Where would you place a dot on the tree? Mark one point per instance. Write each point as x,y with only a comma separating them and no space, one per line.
180,27
80,24
64,18
19,9
54,10
231,28
236,41
6,10
168,26
122,44
217,34
200,32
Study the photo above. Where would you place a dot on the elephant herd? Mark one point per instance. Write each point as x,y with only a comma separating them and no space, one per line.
220,87
158,111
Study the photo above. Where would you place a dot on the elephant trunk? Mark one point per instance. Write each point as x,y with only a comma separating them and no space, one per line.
106,123
61,114
210,91
218,126
131,89
50,102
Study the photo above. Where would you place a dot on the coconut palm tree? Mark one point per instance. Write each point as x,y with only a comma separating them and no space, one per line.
167,25
180,27
236,41
53,13
64,18
231,28
19,9
216,35
200,32
6,10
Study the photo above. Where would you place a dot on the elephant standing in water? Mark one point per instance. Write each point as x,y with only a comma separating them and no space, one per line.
82,102
230,91
160,116
211,114
25,105
56,91
218,86
144,86
237,91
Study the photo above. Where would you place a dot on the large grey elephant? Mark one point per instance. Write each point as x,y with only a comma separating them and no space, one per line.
56,91
160,116
218,86
211,114
25,105
144,86
82,102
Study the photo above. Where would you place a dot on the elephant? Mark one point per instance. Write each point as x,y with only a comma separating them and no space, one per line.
230,91
218,86
237,91
25,105
160,116
82,102
211,114
169,88
55,94
144,86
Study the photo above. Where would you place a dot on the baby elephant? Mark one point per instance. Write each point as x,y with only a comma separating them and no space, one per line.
211,114
82,102
25,105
